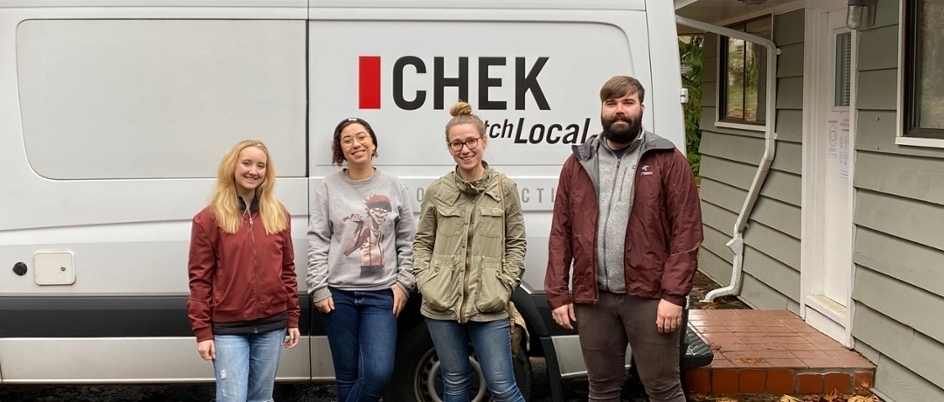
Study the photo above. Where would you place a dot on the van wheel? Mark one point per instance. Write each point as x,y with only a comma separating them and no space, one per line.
417,376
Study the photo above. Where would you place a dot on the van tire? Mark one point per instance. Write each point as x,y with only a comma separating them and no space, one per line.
416,358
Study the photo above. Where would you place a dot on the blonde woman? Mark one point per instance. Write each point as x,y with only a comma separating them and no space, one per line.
468,258
243,302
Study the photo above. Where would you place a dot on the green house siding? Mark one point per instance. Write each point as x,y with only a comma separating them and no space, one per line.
898,290
899,250
729,162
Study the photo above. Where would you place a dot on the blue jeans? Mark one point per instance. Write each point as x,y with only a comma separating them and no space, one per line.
362,333
492,343
245,365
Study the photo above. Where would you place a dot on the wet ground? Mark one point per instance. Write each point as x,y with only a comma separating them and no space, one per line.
701,286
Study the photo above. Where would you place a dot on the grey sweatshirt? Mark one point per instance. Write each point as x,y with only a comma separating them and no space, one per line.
617,178
360,236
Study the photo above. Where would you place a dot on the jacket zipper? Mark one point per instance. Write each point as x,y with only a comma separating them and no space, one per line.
609,206
468,261
255,266
596,287
622,181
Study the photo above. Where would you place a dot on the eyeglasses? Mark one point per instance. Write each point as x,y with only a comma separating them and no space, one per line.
471,143
362,138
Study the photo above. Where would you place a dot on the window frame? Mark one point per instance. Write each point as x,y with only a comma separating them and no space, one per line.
909,65
721,118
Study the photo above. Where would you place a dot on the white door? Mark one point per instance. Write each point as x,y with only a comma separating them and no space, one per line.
837,186
828,242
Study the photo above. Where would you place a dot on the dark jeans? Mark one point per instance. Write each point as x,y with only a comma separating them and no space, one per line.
492,343
604,332
362,333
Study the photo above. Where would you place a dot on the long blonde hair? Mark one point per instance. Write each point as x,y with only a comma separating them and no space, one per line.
225,202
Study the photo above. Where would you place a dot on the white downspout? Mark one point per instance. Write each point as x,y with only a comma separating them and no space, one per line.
736,244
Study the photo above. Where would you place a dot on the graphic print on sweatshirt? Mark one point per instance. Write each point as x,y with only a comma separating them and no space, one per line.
367,237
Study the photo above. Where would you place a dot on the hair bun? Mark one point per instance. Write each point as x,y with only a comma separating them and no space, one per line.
461,108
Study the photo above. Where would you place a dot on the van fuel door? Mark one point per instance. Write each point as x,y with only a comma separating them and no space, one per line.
53,268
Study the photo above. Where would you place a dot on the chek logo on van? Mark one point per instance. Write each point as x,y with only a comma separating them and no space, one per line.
493,72
489,69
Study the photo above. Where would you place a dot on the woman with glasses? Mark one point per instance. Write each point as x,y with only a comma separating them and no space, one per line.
468,258
360,253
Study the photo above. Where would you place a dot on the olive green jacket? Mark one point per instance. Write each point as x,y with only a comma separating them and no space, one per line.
457,249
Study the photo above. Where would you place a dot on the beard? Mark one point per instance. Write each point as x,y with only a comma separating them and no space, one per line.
622,134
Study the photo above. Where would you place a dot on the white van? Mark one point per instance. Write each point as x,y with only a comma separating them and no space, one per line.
114,114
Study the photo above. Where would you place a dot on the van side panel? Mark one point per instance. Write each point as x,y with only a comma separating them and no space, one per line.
112,133
125,99
122,108
532,74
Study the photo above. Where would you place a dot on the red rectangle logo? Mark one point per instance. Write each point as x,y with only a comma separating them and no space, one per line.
369,82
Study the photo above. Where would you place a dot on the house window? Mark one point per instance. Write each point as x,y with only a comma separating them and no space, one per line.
924,69
743,75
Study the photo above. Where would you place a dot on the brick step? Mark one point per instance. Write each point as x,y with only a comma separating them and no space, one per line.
772,351
720,381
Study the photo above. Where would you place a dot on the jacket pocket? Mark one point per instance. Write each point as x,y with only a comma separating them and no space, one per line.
493,294
449,222
490,222
419,276
439,288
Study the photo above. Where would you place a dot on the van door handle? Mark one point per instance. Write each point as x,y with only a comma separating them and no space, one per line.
19,268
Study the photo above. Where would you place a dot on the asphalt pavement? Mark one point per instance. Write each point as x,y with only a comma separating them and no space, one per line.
573,390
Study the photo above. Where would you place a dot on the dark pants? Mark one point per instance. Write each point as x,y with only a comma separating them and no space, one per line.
362,333
604,332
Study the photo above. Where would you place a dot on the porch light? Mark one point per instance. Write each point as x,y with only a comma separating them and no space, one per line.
860,12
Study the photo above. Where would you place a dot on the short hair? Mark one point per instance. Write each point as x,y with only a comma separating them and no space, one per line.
620,86
337,155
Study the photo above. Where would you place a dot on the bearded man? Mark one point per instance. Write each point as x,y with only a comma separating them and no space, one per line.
627,220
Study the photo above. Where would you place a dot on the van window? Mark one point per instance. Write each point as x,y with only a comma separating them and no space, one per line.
131,99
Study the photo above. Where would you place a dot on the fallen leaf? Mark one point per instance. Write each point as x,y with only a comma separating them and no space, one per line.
832,397
788,398
863,389
860,398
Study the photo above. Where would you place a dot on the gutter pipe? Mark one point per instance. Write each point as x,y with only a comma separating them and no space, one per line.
736,244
